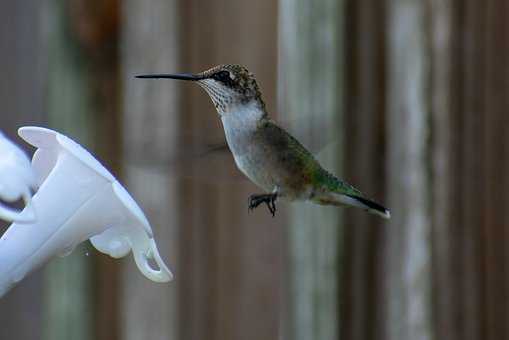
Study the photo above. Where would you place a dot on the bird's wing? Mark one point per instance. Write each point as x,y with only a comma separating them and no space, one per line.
276,135
210,161
313,137
315,134
313,169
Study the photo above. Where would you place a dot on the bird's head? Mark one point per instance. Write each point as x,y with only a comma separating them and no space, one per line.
229,86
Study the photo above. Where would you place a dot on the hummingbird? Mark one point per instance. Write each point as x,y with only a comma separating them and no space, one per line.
267,154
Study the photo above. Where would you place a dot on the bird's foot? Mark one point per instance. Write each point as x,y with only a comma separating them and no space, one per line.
269,199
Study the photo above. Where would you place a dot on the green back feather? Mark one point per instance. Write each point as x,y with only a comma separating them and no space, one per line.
322,177
301,158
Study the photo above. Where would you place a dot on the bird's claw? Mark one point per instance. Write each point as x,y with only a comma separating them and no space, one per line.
268,199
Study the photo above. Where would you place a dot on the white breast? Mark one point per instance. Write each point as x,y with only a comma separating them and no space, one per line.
239,126
239,123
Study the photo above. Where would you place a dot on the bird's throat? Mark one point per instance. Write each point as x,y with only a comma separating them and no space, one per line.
243,116
240,125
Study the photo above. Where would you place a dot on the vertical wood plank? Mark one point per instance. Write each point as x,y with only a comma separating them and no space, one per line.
444,140
232,258
150,33
407,240
311,94
495,159
470,184
364,120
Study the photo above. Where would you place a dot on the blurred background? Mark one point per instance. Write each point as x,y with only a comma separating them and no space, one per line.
406,99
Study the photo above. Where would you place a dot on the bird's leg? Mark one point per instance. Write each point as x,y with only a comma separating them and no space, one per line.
269,199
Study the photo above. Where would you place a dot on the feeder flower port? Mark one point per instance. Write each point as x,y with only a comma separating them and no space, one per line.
78,199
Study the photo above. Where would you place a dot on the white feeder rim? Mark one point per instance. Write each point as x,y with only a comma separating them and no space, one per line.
49,140
43,138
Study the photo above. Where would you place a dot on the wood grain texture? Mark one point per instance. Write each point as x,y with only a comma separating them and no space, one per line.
311,100
407,253
365,159
444,139
232,259
150,123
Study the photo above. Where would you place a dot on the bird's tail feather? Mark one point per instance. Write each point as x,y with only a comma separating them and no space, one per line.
364,203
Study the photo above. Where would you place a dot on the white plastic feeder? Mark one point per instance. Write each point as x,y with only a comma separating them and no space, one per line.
77,199
16,180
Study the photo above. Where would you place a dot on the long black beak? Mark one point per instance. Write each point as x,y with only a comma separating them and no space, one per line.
180,76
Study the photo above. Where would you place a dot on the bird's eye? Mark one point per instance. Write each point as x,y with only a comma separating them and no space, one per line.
223,76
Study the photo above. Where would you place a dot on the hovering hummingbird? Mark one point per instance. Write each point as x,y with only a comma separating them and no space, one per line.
267,154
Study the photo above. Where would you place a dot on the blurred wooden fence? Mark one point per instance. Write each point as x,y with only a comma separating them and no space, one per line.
439,269
311,74
416,91
227,262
